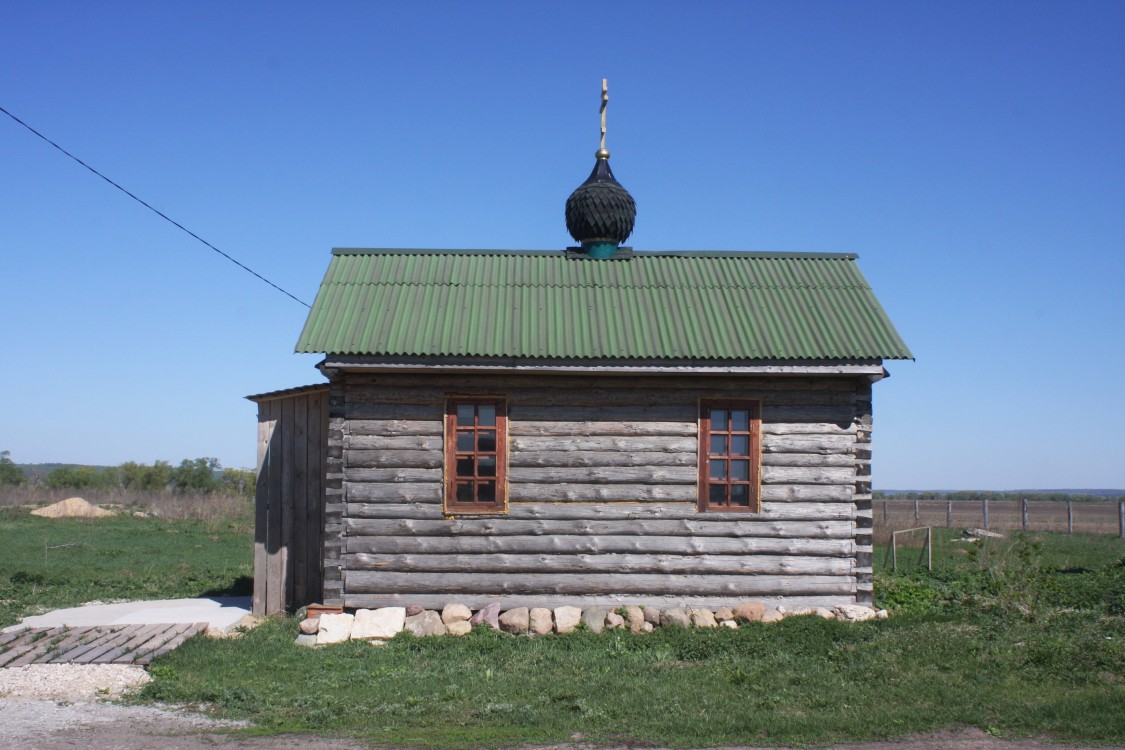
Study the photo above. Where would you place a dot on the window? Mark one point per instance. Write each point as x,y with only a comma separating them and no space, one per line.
476,455
730,455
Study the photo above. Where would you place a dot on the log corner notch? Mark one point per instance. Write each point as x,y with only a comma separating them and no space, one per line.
289,498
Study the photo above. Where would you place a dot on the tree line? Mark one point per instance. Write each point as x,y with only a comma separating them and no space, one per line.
979,495
195,475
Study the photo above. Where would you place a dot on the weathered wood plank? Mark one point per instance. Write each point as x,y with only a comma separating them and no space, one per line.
662,475
36,643
297,547
314,521
188,632
275,574
262,501
638,443
613,411
599,564
499,526
288,498
563,384
600,428
393,459
564,544
369,582
807,459
807,428
404,443
392,475
415,412
807,475
476,600
139,635
608,493
789,413
825,493
395,427
617,511
386,492
570,459
796,443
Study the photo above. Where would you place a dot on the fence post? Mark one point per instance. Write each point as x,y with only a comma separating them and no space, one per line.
949,514
1121,520
1069,517
915,510
1023,511
884,511
985,503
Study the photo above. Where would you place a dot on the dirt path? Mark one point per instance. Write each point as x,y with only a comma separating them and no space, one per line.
48,725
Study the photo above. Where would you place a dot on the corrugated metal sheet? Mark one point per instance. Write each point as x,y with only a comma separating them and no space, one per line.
655,305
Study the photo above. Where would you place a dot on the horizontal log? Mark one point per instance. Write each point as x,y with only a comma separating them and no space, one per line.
639,443
663,475
475,600
382,442
807,428
681,410
822,444
392,459
600,458
807,459
415,412
618,512
618,564
429,492
607,493
370,582
781,413
499,526
825,493
571,428
808,475
395,427
392,475
671,545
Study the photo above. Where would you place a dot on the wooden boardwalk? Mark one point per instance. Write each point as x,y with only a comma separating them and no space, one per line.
95,644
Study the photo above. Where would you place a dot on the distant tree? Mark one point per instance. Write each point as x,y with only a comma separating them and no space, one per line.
238,482
142,478
9,472
196,475
81,478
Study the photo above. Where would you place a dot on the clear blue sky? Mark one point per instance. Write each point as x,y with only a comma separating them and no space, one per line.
972,154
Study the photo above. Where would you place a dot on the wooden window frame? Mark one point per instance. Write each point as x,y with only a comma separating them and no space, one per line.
754,406
449,495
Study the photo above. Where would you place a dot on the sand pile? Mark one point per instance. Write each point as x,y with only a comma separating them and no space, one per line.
72,507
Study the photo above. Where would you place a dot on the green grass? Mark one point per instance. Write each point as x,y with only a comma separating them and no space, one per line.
801,681
51,563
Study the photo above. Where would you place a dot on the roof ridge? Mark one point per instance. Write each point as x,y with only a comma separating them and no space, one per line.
562,255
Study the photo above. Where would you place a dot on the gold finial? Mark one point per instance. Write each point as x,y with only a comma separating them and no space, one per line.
602,152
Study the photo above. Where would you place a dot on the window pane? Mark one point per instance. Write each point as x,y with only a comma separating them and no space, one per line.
465,467
487,415
719,420
718,445
719,470
464,442
740,470
486,492
464,492
718,494
740,420
740,445
487,467
740,494
486,441
465,414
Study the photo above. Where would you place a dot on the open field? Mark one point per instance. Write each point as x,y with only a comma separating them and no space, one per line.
53,563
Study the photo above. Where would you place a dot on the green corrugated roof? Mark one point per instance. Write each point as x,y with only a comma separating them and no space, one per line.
722,306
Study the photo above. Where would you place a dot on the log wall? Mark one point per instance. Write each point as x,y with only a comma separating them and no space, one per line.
602,494
289,500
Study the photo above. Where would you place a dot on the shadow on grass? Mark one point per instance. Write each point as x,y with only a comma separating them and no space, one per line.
241,586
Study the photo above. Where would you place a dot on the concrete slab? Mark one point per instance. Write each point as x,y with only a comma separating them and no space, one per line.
220,613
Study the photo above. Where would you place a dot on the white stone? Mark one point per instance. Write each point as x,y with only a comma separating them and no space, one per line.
824,612
334,628
855,613
882,614
458,627
378,623
455,613
728,624
567,619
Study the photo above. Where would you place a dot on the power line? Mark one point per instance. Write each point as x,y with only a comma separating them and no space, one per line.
155,211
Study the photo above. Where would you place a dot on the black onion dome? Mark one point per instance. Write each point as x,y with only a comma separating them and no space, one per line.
600,210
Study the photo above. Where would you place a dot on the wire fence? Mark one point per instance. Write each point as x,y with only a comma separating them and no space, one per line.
1090,517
